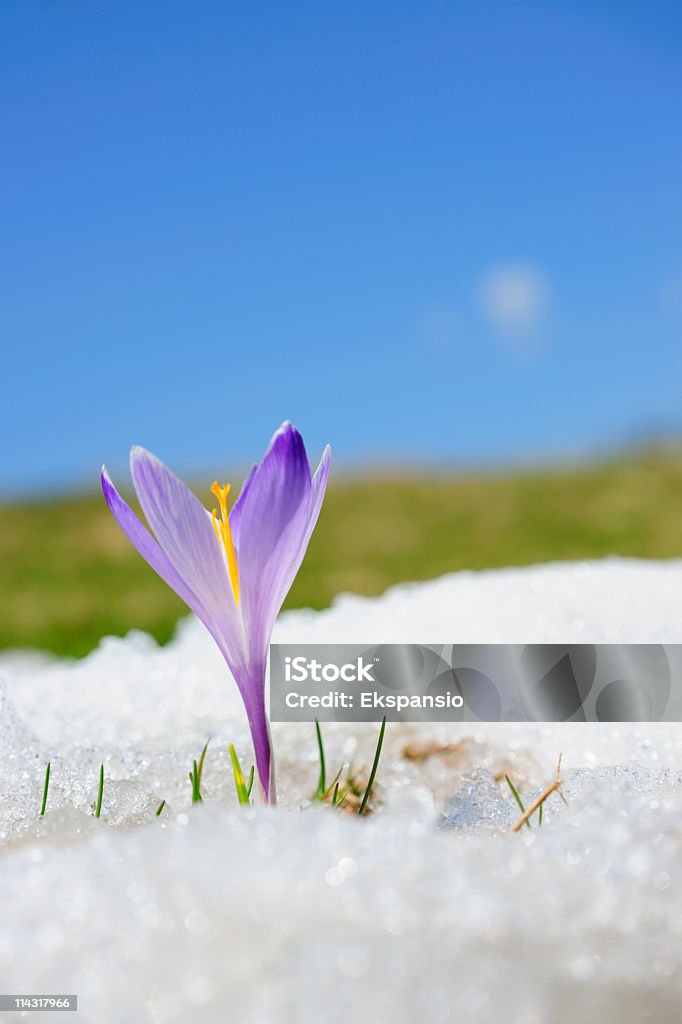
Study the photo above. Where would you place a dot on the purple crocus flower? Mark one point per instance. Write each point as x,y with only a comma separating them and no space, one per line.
233,570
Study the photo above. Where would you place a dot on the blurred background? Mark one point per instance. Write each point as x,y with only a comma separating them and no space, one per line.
443,237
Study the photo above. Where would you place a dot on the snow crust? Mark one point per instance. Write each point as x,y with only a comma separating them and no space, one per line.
429,909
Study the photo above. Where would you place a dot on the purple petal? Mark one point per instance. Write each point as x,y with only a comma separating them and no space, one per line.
272,493
276,513
319,487
183,529
297,553
142,540
271,515
236,510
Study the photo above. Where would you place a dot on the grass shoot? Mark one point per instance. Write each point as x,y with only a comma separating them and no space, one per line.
196,773
321,784
334,793
375,765
202,758
46,786
100,792
518,799
243,788
195,782
554,787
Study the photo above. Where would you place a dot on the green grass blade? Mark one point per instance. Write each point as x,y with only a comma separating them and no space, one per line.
201,761
333,784
242,792
194,779
338,798
322,781
249,784
45,789
160,808
375,765
100,792
517,798
540,815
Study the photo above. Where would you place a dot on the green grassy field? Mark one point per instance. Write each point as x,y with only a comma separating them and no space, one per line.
68,576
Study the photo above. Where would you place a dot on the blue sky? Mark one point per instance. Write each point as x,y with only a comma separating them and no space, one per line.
427,232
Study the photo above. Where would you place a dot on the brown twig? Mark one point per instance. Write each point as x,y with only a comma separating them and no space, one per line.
552,788
420,752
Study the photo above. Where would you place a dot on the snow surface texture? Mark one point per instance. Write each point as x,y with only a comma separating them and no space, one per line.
427,910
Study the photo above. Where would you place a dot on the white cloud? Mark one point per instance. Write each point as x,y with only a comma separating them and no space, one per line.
514,298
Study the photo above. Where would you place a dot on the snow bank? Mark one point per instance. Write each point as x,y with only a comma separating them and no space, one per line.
428,910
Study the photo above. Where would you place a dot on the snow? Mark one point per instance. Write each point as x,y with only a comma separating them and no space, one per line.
429,909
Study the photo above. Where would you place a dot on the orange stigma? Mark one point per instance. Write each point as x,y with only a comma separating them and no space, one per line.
224,535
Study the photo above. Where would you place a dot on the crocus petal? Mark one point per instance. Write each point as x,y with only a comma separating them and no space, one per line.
271,495
272,515
184,532
236,511
319,486
296,552
280,491
142,540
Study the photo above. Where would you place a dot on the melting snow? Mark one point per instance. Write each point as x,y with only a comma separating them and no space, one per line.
430,909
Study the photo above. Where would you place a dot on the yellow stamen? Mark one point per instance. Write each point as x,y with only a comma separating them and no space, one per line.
224,534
